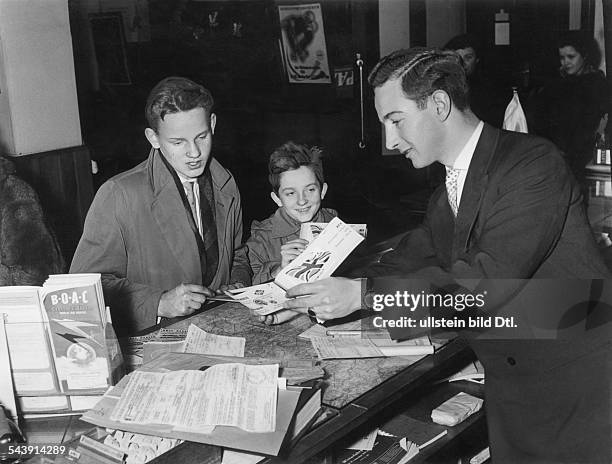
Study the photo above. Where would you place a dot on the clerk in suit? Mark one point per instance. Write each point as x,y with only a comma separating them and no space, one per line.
168,233
509,209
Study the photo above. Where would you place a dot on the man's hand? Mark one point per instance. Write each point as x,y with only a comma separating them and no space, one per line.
291,250
329,298
278,317
182,300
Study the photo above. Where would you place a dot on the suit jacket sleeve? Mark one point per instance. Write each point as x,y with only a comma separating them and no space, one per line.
241,270
103,249
520,221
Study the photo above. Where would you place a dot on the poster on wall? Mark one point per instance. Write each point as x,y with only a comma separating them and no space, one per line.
303,44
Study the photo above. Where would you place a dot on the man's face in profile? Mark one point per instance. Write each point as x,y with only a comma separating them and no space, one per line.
185,139
469,59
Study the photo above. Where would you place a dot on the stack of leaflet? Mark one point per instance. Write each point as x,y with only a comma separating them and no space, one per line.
234,405
62,348
456,409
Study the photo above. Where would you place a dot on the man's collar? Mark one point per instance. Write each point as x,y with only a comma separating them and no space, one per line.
465,155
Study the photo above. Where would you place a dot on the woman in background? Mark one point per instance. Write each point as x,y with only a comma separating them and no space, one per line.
569,109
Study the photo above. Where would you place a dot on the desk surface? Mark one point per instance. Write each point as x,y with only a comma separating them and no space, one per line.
357,388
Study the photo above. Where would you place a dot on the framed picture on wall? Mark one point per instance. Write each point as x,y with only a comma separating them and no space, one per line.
303,45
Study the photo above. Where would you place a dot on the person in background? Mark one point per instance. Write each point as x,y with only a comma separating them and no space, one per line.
509,209
167,234
298,187
29,252
488,100
568,110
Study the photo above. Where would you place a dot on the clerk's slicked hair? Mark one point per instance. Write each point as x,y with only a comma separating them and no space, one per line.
423,71
173,95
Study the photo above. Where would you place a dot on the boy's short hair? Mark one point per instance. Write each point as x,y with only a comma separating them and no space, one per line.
423,71
173,95
290,156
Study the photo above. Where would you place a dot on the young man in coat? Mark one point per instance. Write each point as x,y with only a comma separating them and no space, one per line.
168,233
509,209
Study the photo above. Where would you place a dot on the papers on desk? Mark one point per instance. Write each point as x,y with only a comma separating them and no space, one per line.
357,347
195,341
318,261
236,395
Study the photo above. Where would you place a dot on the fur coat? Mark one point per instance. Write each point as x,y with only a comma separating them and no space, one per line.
28,249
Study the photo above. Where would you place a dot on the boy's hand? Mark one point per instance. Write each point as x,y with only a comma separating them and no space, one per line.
182,300
291,250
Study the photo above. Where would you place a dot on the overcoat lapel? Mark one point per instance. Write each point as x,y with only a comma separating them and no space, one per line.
170,215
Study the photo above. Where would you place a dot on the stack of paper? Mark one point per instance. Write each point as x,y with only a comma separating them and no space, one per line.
61,344
236,395
456,409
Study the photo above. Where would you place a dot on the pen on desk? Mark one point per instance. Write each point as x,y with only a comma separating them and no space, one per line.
220,298
352,333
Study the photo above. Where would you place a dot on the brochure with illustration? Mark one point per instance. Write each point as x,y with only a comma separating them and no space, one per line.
319,260
311,230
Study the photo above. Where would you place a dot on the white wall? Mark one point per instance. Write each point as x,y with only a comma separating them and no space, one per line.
38,101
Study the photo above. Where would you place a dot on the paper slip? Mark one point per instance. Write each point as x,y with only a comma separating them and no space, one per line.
311,230
318,261
236,457
263,299
235,395
200,341
356,347
366,442
411,450
456,409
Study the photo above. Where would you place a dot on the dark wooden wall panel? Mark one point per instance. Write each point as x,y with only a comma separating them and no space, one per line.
63,181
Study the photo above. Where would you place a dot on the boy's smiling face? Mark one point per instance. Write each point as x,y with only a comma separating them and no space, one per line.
300,194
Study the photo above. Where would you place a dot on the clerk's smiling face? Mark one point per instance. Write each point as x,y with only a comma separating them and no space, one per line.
185,139
410,130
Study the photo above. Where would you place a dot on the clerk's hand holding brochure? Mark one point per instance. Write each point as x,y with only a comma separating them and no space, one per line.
318,261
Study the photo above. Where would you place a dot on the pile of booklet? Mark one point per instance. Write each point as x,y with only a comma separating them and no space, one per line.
62,348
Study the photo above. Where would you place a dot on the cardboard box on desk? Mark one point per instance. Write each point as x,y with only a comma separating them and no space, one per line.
229,437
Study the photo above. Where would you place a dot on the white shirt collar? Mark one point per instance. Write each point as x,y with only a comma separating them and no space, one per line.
464,158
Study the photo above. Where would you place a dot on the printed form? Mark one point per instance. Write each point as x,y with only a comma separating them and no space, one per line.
237,395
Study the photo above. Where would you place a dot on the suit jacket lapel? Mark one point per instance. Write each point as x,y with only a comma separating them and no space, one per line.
170,215
474,188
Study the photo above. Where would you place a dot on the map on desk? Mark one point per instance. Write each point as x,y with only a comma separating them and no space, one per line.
345,379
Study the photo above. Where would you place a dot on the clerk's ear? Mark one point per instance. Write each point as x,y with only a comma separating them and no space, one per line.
276,200
442,104
151,136
213,122
323,190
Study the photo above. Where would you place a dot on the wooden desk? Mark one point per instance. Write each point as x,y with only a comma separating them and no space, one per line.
358,389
